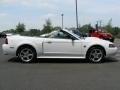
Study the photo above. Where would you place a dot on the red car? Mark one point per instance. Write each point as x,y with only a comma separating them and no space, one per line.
101,34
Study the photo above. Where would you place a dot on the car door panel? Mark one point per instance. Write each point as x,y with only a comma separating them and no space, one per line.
62,47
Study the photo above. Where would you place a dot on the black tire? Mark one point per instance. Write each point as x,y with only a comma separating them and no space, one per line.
95,55
27,54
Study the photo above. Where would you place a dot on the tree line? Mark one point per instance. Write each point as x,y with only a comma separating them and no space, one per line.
48,27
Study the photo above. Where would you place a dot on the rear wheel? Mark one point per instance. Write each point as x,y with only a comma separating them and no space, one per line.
95,55
27,54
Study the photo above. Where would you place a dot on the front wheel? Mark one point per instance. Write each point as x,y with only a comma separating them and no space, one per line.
95,55
26,54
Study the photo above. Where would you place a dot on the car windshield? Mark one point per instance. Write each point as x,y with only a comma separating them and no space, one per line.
79,34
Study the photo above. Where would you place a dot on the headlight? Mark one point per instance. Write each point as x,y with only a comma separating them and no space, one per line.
112,45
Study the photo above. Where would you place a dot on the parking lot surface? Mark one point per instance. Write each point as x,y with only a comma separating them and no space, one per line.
60,74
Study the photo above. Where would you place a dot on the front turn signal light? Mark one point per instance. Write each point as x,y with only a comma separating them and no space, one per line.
112,45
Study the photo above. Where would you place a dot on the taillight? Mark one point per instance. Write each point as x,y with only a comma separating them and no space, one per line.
6,41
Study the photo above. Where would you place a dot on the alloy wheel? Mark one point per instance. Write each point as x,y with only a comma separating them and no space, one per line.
96,55
26,55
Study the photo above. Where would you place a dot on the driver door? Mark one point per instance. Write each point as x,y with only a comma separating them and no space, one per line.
63,45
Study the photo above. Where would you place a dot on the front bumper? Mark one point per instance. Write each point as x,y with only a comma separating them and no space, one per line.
111,52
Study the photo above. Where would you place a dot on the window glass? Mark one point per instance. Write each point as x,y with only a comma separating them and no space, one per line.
59,35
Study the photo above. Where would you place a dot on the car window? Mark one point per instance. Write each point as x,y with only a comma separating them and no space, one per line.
63,35
60,35
53,34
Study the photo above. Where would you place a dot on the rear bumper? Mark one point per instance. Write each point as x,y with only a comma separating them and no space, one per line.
8,50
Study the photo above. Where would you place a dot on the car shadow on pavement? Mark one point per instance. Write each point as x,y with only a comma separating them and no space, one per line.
56,60
110,60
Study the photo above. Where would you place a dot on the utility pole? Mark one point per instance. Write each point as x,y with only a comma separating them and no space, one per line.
62,20
77,14
100,23
97,25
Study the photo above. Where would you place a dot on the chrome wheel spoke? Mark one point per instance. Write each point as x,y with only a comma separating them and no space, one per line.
28,58
24,58
99,55
30,55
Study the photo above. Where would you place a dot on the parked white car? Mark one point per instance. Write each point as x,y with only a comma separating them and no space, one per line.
58,44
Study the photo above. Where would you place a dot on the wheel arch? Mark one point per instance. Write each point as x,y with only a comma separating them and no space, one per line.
25,45
96,46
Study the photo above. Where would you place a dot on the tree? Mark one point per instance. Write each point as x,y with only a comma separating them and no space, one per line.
20,28
57,28
34,32
85,28
116,30
108,27
47,27
10,31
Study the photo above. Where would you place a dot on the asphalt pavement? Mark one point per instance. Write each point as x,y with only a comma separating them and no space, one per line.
60,74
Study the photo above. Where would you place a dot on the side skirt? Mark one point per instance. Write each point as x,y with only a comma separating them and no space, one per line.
61,57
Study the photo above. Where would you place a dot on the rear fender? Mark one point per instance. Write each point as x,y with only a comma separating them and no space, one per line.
37,47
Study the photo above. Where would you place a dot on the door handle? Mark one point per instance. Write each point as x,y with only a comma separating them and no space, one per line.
49,42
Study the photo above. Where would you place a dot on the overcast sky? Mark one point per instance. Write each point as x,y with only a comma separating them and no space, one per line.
34,12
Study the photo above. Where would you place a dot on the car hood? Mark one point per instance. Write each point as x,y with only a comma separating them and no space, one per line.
95,39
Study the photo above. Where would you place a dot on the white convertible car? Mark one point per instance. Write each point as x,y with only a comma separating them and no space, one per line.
58,44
